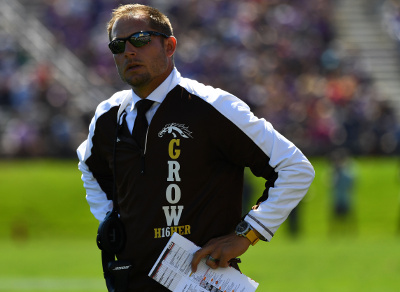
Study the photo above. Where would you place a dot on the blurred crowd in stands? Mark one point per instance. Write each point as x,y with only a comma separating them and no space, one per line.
279,56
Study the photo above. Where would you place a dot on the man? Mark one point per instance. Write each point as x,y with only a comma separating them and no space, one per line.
186,174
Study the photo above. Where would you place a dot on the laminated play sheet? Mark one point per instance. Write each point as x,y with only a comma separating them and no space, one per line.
173,270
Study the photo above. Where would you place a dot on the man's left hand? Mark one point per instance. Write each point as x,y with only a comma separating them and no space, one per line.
220,250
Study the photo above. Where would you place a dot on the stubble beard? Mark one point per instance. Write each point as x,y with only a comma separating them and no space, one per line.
138,81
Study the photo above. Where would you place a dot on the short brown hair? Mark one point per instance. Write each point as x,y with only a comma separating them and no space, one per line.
157,20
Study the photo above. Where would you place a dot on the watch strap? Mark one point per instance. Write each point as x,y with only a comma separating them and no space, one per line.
252,236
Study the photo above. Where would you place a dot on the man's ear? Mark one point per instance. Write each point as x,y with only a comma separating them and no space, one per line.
170,46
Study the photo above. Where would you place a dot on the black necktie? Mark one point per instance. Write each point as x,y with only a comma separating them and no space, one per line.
140,128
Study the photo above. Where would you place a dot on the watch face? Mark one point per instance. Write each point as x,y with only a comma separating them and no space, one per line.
242,227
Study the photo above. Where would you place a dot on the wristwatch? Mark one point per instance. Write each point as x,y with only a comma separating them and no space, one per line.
244,229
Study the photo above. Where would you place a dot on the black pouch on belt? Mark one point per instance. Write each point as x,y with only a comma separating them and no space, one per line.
111,240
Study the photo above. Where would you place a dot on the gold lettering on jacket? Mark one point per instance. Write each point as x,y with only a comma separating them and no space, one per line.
173,212
174,153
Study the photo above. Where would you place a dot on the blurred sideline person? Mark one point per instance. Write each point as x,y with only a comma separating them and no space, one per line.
343,180
186,174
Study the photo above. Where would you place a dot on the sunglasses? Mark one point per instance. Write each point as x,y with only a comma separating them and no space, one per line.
138,39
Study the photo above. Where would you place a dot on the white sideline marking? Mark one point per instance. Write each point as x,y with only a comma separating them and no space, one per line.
51,284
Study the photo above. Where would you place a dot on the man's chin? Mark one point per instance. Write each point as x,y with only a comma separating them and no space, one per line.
136,81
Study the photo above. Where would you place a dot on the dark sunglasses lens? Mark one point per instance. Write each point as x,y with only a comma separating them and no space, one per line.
117,47
137,40
140,41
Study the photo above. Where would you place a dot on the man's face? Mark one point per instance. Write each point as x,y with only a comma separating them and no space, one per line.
146,67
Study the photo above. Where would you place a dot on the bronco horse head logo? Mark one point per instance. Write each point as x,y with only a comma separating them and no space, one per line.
175,129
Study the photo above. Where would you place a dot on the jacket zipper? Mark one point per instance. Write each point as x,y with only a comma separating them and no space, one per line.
142,155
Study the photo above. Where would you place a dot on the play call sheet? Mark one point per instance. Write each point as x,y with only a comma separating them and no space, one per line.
172,269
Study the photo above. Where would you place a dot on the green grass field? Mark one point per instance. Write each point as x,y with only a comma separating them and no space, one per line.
47,235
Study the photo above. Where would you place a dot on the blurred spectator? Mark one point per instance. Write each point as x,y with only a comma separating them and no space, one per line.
390,15
280,56
343,180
